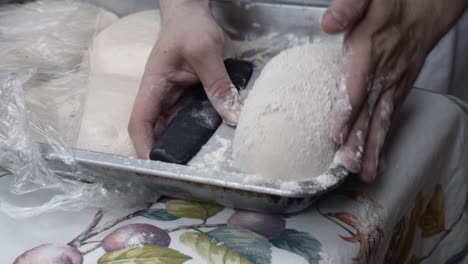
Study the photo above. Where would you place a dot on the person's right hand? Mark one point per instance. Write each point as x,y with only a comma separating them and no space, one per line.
189,50
386,43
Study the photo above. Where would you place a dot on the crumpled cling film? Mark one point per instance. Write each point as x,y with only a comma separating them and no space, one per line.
49,34
43,82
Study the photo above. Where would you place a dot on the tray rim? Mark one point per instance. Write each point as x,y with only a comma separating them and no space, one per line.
307,188
156,168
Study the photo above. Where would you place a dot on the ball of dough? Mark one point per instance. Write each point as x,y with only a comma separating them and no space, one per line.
284,128
124,47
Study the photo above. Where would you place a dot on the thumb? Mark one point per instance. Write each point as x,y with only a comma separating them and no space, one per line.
219,88
342,14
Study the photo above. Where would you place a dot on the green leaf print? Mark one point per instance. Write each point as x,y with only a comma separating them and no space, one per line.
432,222
144,255
190,209
3,175
413,222
229,244
211,250
300,243
157,214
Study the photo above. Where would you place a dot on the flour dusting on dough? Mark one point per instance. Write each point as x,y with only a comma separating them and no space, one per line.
284,128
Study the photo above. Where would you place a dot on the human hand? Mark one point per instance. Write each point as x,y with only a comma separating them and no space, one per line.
385,46
189,50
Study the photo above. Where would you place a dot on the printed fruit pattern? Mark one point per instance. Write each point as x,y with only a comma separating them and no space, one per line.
267,225
430,221
51,254
136,239
246,237
135,235
367,234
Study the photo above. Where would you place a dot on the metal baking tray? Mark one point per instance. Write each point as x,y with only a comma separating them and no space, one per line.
222,184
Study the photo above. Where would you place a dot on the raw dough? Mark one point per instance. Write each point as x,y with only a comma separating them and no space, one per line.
117,62
284,128
107,110
124,47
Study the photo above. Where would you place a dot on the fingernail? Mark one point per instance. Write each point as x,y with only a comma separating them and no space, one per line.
337,135
232,121
381,166
333,18
159,128
369,170
378,161
350,159
371,166
232,107
341,113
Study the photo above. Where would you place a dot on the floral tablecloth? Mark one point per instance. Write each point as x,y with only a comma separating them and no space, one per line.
416,212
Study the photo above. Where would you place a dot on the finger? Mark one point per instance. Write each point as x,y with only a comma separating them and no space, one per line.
352,151
167,114
342,15
398,99
154,95
378,130
218,86
355,83
395,118
382,162
146,111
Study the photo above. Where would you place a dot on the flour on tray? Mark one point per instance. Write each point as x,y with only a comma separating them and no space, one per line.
217,158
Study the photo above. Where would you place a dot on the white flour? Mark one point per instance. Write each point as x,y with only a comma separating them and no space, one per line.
369,214
284,128
260,50
215,160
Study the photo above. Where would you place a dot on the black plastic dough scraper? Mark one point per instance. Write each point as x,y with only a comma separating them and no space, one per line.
197,120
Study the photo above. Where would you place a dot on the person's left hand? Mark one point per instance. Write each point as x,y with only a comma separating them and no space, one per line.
386,43
189,50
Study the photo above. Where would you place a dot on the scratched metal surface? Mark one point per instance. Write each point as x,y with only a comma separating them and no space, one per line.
124,7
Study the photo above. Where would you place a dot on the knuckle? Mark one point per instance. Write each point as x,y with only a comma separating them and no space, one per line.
353,12
201,48
357,7
348,12
218,89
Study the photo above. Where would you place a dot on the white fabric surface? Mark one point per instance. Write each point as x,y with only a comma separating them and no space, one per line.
427,152
446,68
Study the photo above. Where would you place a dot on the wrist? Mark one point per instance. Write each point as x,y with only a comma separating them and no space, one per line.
450,13
431,20
180,8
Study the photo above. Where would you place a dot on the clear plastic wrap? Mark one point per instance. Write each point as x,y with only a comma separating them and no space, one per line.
43,80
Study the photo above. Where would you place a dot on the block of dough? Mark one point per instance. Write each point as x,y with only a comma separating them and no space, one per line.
124,47
284,128
117,62
106,114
